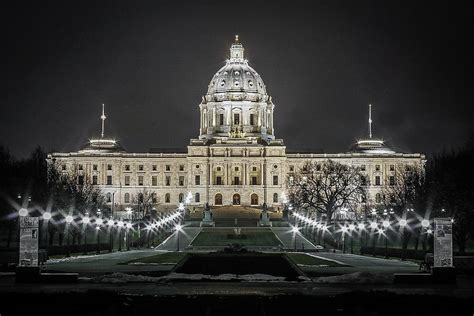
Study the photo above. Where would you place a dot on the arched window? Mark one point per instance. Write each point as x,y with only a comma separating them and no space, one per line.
167,198
254,199
218,199
275,197
197,198
109,197
236,199
127,198
181,198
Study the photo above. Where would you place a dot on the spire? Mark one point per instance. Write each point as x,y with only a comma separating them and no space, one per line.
370,120
103,117
237,51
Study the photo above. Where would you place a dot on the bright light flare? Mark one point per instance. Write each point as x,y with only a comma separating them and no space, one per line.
47,216
425,223
23,212
69,219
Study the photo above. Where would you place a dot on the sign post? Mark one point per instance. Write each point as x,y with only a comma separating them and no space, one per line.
29,231
443,269
443,242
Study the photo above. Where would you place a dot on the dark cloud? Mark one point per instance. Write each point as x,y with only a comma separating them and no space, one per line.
151,62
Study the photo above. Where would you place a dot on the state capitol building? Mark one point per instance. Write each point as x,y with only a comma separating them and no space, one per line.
236,160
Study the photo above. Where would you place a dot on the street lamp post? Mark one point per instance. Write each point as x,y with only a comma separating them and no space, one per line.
85,222
386,224
98,223
178,229
69,220
110,223
295,230
351,230
46,217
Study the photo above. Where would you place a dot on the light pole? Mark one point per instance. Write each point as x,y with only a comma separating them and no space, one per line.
386,224
98,223
178,229
119,228
373,226
47,217
85,222
351,229
69,220
110,223
361,227
344,231
129,226
295,231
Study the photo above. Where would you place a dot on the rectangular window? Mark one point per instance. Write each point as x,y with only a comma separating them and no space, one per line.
197,180
236,181
140,167
168,181
94,180
221,119
154,180
254,180
275,180
154,199
153,167
181,180
127,167
392,180
81,167
392,167
254,168
364,180
377,167
64,167
292,168
94,167
236,119
377,180
168,167
80,180
109,180
109,167
127,180
140,180
252,119
318,167
218,181
362,167
236,169
218,168
181,167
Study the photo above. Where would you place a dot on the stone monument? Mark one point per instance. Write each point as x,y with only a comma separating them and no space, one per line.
264,218
207,220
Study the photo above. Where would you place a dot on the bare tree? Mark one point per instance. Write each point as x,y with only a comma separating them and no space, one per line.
326,187
144,201
407,197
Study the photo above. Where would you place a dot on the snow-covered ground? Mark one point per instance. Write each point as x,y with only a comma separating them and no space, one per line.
129,278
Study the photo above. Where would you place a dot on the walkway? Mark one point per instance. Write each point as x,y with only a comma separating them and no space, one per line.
185,237
288,238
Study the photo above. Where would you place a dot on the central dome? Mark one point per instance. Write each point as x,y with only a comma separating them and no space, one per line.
236,75
236,106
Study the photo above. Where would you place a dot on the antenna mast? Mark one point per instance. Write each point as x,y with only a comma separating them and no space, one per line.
370,121
103,117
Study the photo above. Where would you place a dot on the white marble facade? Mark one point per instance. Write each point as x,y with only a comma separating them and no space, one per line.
236,160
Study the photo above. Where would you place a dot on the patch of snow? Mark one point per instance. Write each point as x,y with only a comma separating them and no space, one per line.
260,277
357,278
119,277
66,259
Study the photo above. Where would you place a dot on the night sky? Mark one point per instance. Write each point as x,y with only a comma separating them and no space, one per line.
151,62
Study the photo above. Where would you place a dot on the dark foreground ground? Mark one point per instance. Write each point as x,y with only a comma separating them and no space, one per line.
235,298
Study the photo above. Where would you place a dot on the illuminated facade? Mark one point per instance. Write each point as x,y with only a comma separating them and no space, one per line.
236,159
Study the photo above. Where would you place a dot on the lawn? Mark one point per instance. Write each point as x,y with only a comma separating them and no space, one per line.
163,258
307,260
224,237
